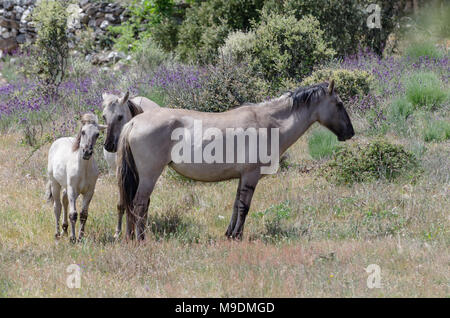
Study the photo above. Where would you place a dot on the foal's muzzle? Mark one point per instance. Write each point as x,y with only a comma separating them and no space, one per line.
87,154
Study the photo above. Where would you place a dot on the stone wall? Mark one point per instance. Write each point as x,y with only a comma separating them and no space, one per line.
17,28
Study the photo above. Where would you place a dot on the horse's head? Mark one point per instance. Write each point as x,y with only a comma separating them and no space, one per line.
88,135
116,114
332,114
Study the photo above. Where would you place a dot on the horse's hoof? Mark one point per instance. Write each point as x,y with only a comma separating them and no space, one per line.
73,239
57,236
117,235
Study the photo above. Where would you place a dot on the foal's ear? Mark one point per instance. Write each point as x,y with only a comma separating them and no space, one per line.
124,99
104,95
102,127
331,87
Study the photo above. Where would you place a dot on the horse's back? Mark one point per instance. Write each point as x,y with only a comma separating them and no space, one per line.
145,103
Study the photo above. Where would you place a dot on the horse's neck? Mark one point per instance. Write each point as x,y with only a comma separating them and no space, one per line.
292,123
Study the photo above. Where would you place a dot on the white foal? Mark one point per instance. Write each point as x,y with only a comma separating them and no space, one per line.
72,167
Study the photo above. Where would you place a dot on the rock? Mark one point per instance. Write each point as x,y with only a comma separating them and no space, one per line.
83,3
26,15
19,11
73,20
8,5
21,38
8,45
104,25
84,18
9,23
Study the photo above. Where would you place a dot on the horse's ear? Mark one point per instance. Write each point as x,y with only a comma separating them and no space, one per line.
124,99
331,87
104,95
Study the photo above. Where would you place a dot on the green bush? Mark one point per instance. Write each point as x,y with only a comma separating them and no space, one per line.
399,110
421,49
287,47
437,131
149,55
148,18
238,45
322,143
208,23
424,90
349,83
51,48
344,22
222,87
376,160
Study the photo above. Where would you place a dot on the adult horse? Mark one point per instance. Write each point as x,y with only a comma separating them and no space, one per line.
147,145
117,111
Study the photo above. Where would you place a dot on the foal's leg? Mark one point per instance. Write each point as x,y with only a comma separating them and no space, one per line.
248,184
235,213
73,215
56,190
84,212
65,201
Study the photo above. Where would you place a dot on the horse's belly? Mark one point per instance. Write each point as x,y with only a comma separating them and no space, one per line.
207,172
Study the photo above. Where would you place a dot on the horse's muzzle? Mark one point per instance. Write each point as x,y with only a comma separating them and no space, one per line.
87,154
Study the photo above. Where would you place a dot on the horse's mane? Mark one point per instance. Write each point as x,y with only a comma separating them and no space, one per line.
308,95
134,109
87,118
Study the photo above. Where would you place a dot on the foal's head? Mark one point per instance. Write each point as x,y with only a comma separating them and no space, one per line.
328,109
87,136
117,111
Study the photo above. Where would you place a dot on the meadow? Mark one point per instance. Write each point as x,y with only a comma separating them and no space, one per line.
314,227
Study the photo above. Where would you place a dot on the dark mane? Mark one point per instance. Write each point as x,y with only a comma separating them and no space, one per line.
134,109
309,94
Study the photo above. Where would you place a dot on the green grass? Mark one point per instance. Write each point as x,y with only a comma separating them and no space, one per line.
438,130
322,143
421,49
424,90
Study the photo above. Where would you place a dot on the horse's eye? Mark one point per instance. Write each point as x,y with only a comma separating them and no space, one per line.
83,133
96,135
120,117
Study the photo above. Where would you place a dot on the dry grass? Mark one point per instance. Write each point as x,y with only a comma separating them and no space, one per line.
332,234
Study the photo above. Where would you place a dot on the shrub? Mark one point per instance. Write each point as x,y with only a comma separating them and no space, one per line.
322,143
208,23
399,110
51,48
238,45
349,83
437,131
148,18
218,88
421,49
287,47
376,160
424,90
276,225
149,55
344,22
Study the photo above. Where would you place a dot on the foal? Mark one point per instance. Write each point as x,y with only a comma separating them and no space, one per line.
72,168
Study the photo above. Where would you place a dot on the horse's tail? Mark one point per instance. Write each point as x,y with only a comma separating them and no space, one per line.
48,192
127,175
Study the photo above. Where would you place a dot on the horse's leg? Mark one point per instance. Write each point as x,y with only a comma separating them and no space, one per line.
248,184
235,213
120,211
84,212
65,201
56,190
131,224
141,203
73,211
